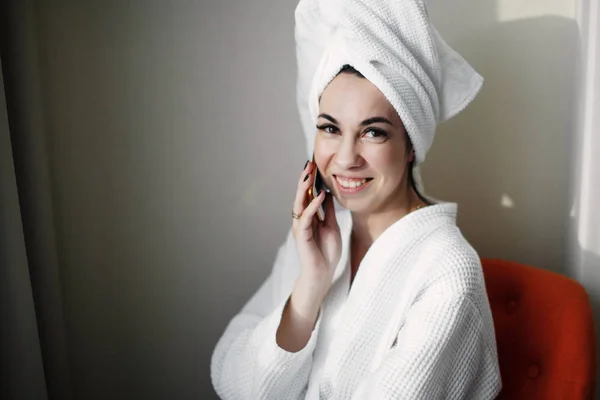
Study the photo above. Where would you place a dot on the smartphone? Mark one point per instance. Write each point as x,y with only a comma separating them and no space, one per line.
316,188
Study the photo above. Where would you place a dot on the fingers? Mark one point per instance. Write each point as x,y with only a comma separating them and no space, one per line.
306,220
304,182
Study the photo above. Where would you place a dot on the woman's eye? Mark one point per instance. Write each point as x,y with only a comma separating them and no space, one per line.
328,128
375,134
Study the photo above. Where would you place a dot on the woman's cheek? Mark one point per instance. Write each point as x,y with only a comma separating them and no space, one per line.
382,157
324,151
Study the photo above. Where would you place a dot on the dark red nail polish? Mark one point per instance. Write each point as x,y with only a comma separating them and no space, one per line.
305,164
306,177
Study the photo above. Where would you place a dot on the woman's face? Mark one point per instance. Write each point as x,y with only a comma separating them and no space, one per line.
361,146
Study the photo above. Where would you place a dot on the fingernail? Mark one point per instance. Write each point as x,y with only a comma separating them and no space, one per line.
306,177
305,164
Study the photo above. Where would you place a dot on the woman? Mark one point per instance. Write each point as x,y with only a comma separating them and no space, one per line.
385,299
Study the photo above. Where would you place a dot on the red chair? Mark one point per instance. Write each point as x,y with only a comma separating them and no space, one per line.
544,331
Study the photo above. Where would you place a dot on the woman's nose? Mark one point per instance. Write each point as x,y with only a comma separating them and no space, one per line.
347,155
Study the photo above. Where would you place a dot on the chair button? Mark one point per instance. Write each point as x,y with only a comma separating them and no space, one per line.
511,307
533,371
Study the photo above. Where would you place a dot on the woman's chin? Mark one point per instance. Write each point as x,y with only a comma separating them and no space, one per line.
354,206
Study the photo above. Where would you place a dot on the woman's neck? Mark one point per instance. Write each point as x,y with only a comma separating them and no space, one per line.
367,227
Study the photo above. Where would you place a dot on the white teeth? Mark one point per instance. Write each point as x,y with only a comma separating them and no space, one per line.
350,184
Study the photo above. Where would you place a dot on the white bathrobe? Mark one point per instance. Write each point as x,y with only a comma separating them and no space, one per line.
415,324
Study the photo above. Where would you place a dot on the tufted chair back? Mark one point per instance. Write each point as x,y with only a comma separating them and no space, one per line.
544,331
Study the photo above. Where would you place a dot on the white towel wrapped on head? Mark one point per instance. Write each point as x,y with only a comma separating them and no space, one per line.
393,44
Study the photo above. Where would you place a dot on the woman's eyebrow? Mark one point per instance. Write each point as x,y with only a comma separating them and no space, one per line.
328,117
374,120
368,121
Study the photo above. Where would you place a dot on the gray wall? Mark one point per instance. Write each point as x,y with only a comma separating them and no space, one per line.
506,159
174,147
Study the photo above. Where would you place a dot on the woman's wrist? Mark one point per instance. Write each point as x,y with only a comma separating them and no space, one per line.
295,328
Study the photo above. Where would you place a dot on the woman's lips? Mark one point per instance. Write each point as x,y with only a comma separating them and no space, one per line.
349,185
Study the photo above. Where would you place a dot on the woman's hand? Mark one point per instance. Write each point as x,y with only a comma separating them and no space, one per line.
319,244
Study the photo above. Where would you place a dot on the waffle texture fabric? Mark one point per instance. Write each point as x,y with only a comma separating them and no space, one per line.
415,323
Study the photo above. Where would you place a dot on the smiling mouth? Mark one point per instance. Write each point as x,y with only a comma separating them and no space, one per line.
351,183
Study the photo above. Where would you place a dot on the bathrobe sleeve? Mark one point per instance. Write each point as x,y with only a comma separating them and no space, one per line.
247,363
441,352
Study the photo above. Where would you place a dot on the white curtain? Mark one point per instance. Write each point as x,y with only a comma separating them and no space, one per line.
584,244
585,235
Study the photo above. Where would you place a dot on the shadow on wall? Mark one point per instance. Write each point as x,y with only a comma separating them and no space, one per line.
506,159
